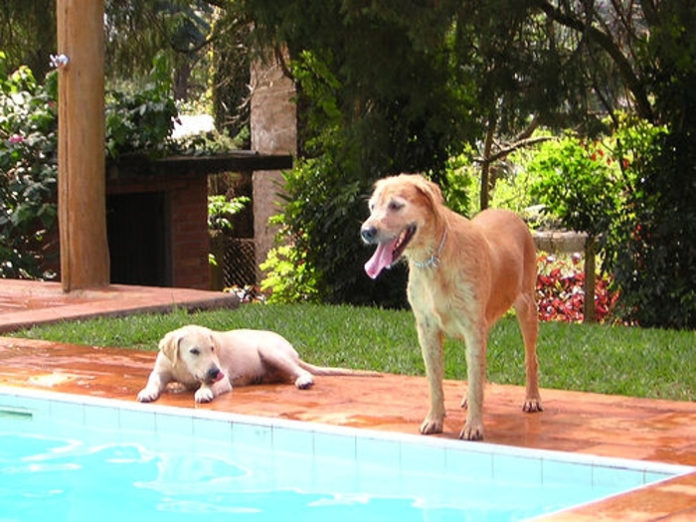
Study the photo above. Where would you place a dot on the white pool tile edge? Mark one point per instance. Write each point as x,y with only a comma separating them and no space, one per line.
150,412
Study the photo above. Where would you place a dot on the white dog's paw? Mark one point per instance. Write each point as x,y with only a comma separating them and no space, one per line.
204,394
304,381
148,395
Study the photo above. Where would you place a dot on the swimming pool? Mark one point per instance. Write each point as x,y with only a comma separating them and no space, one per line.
75,458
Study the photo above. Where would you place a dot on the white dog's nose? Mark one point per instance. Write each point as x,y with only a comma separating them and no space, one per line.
213,373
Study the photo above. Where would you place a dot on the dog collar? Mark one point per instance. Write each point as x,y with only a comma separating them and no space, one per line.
433,260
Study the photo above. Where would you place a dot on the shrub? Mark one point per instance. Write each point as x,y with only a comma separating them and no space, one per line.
28,169
321,255
574,182
220,210
653,241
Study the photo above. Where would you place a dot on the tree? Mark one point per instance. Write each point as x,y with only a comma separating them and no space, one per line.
402,85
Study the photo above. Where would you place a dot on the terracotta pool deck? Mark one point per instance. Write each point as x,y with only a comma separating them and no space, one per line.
654,430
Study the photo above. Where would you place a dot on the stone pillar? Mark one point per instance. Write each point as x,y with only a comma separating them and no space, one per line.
273,123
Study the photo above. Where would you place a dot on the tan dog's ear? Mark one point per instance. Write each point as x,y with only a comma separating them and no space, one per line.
169,346
429,189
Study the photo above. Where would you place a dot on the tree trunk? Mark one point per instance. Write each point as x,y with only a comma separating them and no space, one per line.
486,167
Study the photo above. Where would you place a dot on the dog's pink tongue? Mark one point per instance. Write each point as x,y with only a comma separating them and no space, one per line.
220,376
381,259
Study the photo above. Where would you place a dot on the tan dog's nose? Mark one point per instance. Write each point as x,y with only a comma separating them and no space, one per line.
368,233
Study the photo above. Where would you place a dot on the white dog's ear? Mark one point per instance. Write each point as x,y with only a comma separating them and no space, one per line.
169,346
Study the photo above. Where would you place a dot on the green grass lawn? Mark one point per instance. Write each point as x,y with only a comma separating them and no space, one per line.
605,359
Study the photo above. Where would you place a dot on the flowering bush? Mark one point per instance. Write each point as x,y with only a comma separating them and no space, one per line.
560,291
28,169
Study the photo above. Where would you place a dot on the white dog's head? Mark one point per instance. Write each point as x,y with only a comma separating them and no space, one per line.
193,348
401,209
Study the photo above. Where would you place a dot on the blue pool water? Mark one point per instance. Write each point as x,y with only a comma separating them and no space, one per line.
67,458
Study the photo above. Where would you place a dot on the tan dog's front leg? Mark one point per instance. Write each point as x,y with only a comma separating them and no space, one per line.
431,339
476,372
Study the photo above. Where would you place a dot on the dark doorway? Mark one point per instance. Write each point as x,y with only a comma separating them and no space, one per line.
138,238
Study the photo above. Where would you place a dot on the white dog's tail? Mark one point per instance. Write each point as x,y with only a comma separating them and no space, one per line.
326,370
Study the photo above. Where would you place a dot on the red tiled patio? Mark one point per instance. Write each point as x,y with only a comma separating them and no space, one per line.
654,430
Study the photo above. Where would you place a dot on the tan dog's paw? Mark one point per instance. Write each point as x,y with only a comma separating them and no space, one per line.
304,381
148,395
203,394
430,426
532,405
472,431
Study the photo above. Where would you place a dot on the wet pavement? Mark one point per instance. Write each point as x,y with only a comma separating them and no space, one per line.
654,430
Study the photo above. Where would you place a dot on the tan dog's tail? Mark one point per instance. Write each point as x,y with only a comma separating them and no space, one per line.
346,372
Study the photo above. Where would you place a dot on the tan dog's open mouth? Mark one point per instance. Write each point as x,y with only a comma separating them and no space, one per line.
389,251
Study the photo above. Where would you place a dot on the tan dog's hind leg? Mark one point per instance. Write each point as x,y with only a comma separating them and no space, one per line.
431,340
476,373
526,311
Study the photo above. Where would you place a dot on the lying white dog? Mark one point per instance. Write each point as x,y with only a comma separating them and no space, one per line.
213,362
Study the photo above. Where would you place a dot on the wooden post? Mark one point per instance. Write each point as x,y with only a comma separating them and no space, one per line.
589,306
84,252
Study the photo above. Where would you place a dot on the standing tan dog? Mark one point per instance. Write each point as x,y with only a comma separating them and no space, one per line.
463,275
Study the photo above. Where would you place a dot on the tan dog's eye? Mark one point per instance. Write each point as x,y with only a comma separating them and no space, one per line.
395,205
212,348
194,351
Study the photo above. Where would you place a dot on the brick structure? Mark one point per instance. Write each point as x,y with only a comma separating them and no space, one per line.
157,216
158,231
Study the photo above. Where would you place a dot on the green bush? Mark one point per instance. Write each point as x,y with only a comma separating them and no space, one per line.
220,210
575,182
654,259
28,169
321,256
142,119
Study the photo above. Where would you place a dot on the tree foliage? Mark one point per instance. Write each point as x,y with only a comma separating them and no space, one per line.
401,85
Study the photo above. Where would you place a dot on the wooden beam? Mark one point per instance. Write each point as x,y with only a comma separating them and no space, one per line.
84,253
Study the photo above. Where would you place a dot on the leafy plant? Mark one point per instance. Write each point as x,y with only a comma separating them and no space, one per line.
290,278
28,169
220,210
142,120
574,182
653,247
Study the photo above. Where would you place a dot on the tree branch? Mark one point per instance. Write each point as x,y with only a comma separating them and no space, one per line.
512,148
626,71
